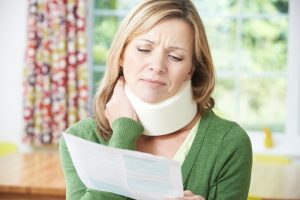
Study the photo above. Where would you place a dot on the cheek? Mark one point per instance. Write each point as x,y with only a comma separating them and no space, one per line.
128,74
127,64
180,73
130,69
133,64
130,58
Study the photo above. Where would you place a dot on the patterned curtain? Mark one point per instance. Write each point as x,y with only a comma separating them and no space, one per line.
55,74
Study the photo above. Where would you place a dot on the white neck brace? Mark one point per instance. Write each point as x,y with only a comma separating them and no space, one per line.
167,116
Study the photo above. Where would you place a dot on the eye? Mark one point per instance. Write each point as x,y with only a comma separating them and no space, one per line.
143,50
175,58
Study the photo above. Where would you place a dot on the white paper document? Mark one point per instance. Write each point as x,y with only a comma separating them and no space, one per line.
129,173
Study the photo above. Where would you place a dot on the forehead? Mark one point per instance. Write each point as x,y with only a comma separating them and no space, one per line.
171,30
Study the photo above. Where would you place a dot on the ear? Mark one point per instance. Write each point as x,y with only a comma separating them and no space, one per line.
190,74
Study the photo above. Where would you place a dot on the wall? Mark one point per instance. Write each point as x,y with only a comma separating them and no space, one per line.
12,51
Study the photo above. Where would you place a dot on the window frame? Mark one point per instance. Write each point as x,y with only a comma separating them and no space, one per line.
293,89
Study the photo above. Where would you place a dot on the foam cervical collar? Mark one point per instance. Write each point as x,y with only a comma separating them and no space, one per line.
167,116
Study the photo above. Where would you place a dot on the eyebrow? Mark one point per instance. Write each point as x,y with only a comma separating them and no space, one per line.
170,47
146,40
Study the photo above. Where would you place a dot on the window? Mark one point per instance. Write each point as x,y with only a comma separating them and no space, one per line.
244,37
249,45
106,16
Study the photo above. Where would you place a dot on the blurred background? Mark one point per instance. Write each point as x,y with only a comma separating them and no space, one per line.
53,55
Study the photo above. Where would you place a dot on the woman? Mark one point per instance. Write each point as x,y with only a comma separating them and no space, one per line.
160,70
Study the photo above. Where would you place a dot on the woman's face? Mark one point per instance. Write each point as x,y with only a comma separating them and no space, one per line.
156,64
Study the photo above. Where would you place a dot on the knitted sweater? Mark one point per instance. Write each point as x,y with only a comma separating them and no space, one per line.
218,165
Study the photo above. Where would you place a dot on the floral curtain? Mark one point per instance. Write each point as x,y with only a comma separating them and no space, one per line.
55,74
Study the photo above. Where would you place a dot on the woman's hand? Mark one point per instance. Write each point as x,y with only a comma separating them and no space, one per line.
119,105
188,195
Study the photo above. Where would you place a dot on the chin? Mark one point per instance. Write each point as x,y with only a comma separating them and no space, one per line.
149,95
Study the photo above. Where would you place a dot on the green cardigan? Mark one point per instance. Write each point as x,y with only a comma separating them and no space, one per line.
218,165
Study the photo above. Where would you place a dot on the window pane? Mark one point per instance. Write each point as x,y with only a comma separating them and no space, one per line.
105,4
258,6
265,45
97,76
224,96
221,35
127,4
115,4
209,6
263,103
104,30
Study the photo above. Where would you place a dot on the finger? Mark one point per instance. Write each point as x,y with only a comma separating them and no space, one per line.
188,193
197,197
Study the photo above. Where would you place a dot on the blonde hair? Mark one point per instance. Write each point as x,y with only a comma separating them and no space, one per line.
140,20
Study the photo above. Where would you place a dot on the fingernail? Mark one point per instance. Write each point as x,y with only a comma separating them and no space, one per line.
201,198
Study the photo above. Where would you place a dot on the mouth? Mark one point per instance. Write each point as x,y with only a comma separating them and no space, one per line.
153,82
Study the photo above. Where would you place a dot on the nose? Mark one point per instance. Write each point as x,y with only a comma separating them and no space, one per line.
158,64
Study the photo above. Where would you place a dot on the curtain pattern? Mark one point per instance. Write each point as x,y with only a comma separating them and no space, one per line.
55,74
